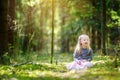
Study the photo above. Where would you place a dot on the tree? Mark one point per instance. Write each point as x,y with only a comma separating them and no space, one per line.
52,41
96,25
64,39
28,31
103,26
42,18
11,13
3,28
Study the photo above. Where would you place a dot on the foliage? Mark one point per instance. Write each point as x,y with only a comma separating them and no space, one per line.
115,19
30,59
72,18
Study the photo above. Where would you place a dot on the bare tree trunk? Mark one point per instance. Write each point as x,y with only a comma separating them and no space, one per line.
103,26
93,38
11,13
42,17
64,39
62,35
52,42
96,29
28,31
3,28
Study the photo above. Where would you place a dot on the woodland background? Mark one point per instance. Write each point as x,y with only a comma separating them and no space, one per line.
32,29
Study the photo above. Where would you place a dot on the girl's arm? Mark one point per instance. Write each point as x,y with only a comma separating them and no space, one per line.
75,56
90,55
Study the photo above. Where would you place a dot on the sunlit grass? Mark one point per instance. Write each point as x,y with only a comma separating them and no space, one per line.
41,69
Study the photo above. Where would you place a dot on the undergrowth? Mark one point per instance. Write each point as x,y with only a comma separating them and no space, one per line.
38,67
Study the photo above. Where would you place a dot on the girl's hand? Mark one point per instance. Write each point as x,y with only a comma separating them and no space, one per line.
79,62
84,60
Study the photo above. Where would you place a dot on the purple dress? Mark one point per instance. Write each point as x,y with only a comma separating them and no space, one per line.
86,54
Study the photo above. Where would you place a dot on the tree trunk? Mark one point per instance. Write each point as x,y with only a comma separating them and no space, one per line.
11,13
93,38
52,42
3,28
99,40
64,40
96,29
28,32
42,17
103,27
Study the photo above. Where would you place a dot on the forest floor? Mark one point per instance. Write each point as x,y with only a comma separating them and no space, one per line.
40,68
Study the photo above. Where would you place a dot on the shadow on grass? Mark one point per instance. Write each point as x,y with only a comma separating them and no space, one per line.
101,76
27,77
32,72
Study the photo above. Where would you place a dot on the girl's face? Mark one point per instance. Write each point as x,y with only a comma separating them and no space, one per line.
84,41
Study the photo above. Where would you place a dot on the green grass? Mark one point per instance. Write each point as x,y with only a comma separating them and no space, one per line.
39,68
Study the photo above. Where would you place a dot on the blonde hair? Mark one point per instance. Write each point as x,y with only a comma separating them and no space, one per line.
78,46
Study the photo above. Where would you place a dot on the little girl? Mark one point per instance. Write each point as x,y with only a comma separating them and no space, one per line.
82,54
